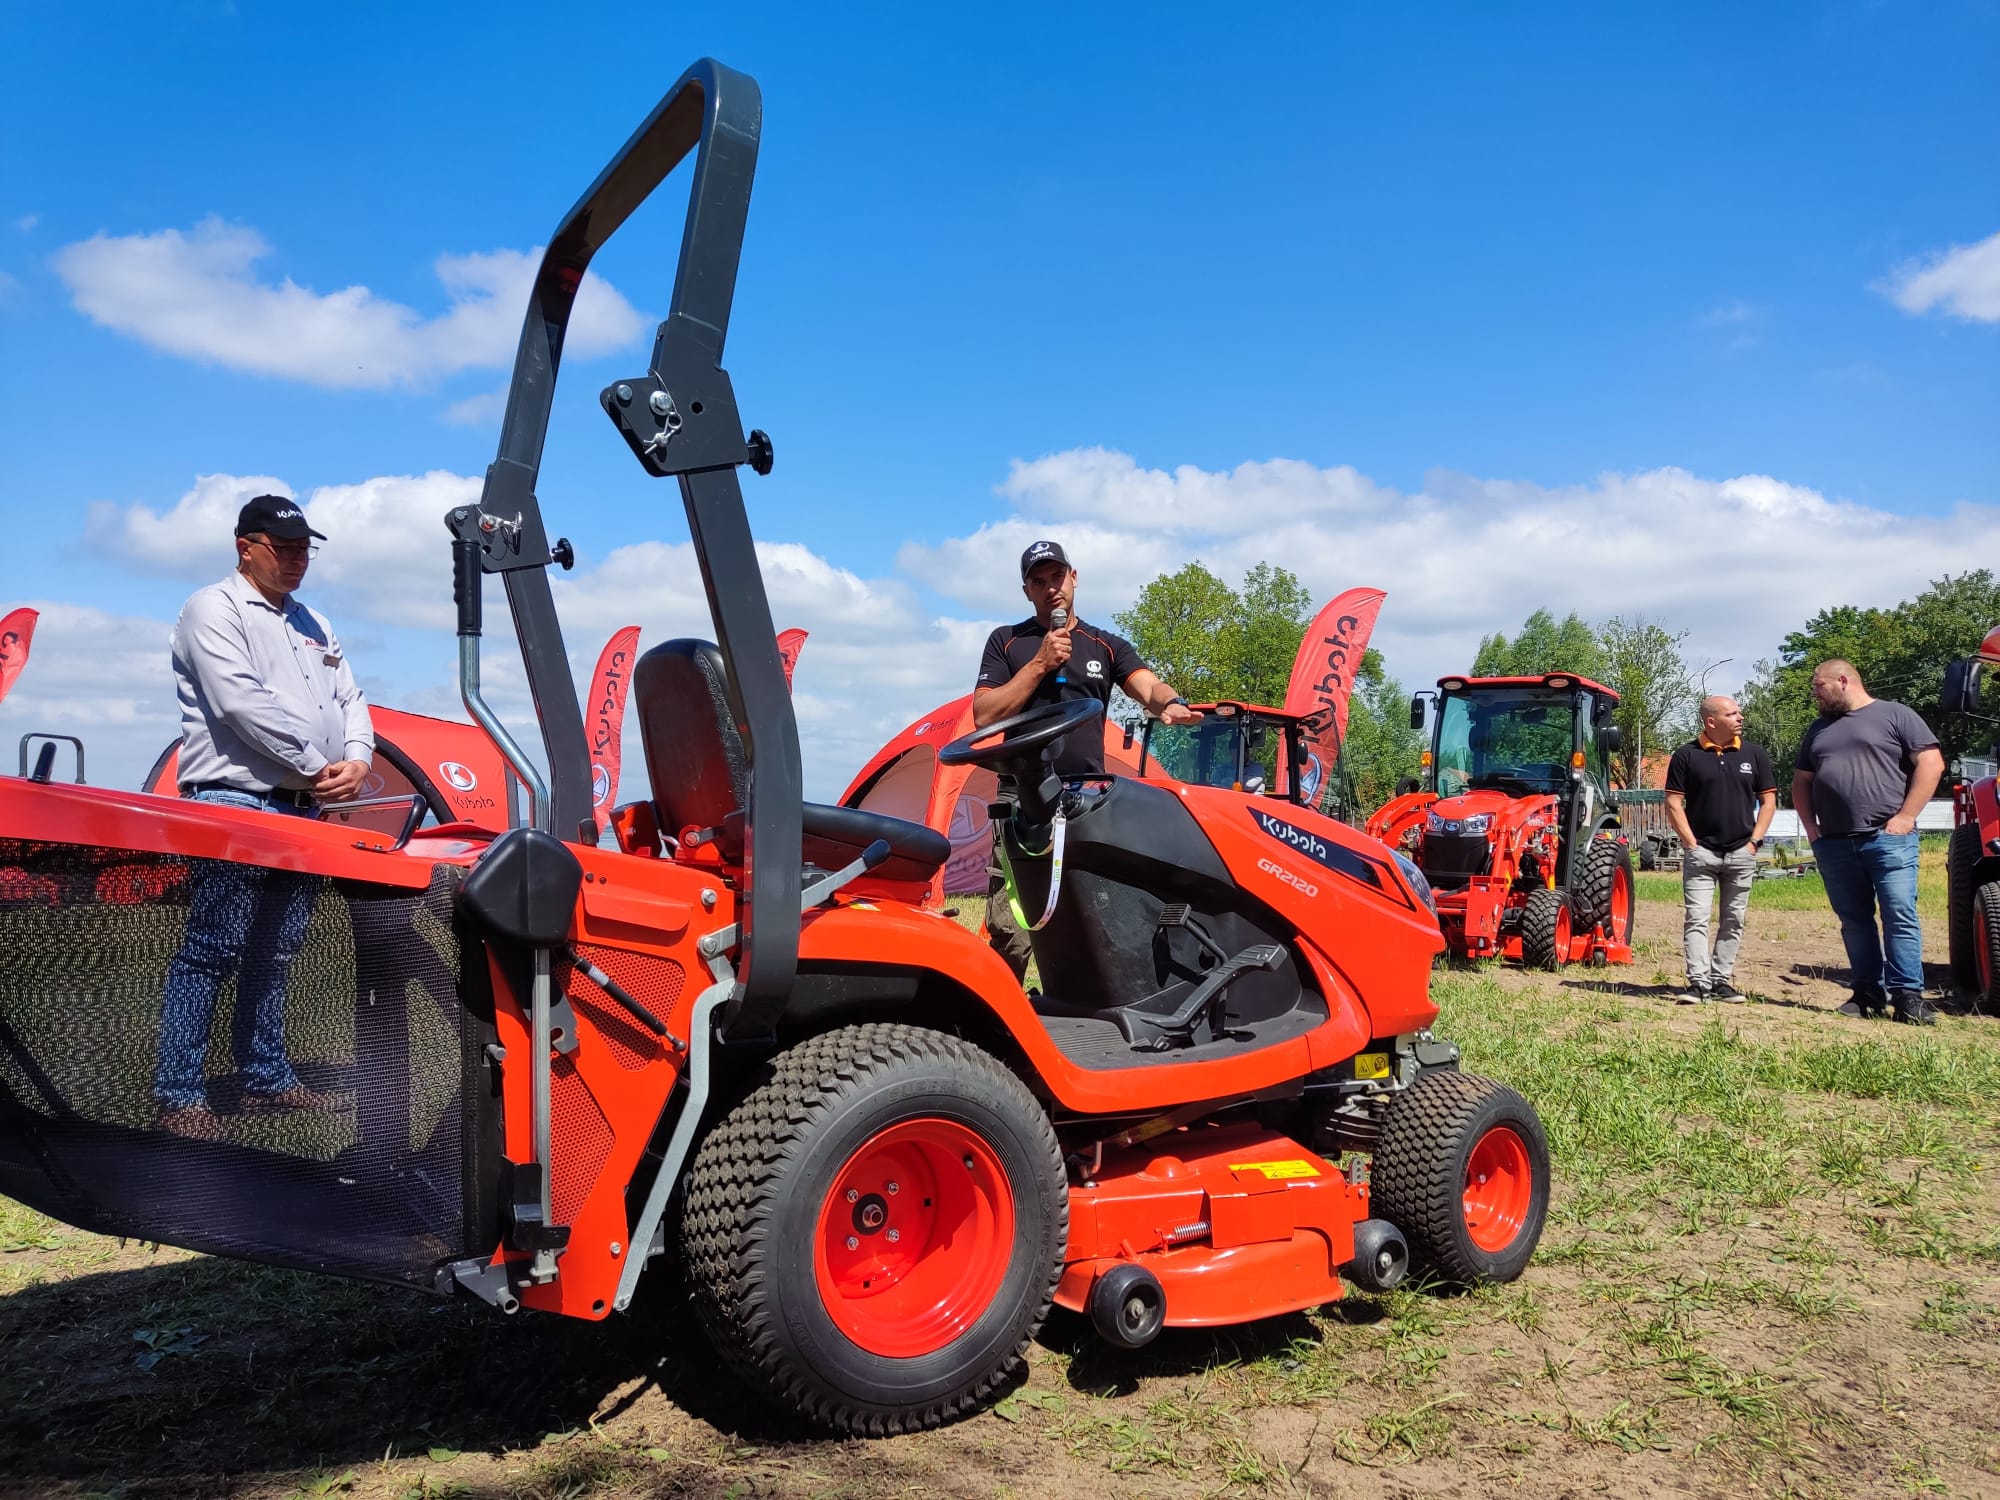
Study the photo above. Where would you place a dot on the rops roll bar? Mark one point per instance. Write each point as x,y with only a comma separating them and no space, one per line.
680,419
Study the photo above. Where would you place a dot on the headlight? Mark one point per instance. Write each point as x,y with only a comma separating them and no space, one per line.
1477,824
1417,882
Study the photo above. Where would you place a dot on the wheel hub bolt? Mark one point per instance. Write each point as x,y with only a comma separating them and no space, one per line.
895,1235
853,1243
853,1195
894,1189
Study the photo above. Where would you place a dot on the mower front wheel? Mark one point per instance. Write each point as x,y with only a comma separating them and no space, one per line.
1545,929
873,1235
1463,1170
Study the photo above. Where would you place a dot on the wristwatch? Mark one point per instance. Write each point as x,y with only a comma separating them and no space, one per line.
1757,844
1177,698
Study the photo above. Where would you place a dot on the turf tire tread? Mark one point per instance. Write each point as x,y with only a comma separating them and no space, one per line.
1412,1180
1539,918
725,1220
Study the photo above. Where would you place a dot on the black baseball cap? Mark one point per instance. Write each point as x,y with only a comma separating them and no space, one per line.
1041,552
275,515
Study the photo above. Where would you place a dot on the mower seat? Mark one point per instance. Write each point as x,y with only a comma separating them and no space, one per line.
694,755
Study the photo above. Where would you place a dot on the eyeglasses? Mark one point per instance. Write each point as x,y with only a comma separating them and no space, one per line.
291,551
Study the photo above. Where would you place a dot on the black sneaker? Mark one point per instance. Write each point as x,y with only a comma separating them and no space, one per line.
1694,994
1722,992
1859,1005
1912,1009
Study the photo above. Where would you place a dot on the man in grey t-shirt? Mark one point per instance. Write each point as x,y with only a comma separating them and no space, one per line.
1865,768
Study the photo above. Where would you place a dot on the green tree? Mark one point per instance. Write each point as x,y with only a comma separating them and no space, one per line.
1901,654
1644,666
1212,642
1186,626
1543,645
1274,611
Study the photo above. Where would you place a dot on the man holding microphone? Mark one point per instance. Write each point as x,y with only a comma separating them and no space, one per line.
1053,657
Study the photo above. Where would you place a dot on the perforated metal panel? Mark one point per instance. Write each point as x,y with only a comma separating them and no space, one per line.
655,983
366,1175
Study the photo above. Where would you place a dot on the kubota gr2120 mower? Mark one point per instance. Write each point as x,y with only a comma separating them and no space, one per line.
533,1066
1517,832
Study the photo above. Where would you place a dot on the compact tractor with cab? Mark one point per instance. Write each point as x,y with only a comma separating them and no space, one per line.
1972,862
1518,833
535,1066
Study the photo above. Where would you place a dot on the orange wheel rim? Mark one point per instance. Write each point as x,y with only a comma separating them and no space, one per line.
1562,933
914,1238
1499,1187
1619,921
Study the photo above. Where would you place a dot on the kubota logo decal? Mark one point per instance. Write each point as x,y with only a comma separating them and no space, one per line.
458,777
372,784
1338,858
1298,838
600,784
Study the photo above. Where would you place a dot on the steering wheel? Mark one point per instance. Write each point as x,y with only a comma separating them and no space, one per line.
1021,735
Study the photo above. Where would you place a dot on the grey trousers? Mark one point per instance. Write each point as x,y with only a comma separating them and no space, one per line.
1702,870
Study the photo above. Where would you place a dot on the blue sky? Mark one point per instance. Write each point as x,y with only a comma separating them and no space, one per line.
1690,313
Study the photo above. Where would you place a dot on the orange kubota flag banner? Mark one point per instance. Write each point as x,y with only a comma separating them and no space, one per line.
605,722
17,633
1323,678
790,643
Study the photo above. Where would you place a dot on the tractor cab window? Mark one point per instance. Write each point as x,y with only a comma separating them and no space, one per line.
1510,739
1217,750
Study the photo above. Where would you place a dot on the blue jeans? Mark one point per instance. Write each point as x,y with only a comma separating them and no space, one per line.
1876,869
243,920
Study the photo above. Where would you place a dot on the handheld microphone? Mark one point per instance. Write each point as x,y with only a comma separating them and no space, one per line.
1059,620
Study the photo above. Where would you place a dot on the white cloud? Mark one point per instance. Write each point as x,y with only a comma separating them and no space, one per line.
103,677
1742,321
1963,281
483,410
1737,562
27,222
197,294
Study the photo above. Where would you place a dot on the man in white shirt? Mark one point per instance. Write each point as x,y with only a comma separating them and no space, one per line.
271,719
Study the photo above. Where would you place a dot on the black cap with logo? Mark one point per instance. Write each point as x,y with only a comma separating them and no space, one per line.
1041,552
275,516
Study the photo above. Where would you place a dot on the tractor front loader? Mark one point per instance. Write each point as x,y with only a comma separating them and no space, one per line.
536,1065
1517,833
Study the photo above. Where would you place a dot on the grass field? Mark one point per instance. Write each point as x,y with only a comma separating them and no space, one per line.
1772,1267
1807,892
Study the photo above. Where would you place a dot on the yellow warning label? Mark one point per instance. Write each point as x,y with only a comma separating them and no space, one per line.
1276,1171
1372,1065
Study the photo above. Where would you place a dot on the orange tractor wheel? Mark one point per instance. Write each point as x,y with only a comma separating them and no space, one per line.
1463,1170
886,1213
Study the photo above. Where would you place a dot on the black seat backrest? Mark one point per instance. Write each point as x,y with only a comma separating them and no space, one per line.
694,753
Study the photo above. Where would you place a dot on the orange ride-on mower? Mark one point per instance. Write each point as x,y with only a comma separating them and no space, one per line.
1972,863
1517,833
532,1066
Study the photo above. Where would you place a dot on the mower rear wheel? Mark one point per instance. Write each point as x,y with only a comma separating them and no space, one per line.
1986,948
1463,1170
1545,929
1961,880
1602,895
873,1235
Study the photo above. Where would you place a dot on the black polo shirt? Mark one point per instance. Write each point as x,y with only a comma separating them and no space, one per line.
1097,660
1722,787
